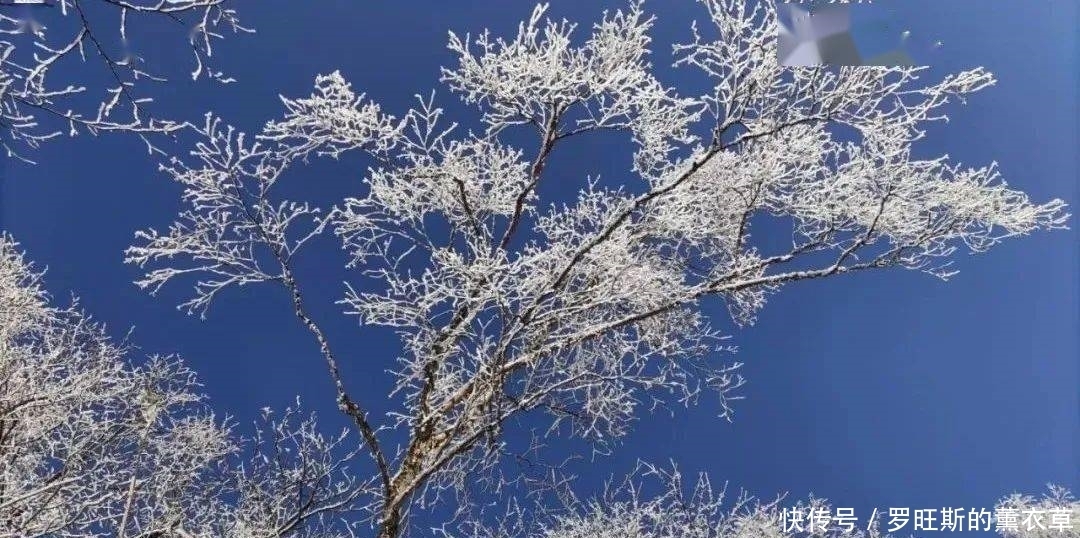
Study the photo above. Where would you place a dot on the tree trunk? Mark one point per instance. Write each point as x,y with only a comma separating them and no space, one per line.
390,526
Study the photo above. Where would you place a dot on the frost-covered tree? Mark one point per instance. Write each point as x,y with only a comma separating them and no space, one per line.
677,509
86,442
92,445
48,46
1056,514
683,509
591,307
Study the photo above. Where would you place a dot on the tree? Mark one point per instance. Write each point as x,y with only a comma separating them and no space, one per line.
1031,517
77,427
698,510
507,305
44,94
92,445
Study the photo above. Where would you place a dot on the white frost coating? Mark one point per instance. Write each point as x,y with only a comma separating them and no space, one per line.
1056,514
588,310
41,43
91,446
79,429
675,507
680,508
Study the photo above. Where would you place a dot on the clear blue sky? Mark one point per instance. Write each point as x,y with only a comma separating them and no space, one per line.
878,389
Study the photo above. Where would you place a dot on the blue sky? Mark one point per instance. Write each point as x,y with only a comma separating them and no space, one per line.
879,389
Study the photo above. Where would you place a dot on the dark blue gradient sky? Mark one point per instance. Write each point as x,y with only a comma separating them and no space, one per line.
878,389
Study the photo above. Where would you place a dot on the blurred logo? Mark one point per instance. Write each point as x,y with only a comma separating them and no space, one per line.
831,33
